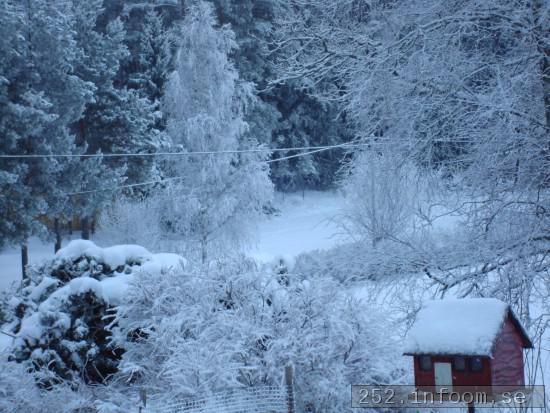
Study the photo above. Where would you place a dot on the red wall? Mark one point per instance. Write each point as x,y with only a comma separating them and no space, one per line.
507,363
504,369
460,378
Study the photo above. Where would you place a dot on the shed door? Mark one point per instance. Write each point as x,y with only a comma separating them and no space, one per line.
443,376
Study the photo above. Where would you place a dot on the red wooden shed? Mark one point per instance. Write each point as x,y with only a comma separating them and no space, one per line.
467,342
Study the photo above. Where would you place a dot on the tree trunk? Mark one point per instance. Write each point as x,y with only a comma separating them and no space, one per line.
57,230
24,260
544,58
204,244
289,383
85,228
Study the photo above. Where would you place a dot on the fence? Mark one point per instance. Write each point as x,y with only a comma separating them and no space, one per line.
266,399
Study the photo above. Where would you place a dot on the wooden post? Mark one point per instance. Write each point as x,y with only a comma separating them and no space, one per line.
57,231
289,383
24,260
85,228
142,399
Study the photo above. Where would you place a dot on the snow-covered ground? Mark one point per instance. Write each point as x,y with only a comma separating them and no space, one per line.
302,223
10,260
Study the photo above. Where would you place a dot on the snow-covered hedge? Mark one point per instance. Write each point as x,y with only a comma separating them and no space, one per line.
177,330
206,330
63,319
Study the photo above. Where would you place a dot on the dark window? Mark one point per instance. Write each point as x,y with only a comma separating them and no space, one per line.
425,363
476,364
460,363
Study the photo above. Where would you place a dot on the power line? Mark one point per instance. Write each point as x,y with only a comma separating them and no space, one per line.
299,155
221,152
116,188
236,151
138,184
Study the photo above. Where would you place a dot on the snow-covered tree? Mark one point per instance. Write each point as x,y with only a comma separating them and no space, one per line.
118,120
43,96
461,89
135,221
24,114
220,194
288,115
151,57
62,321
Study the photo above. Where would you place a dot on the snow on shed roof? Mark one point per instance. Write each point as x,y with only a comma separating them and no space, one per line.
459,326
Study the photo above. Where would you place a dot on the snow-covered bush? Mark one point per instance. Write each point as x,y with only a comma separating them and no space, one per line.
62,319
3,307
206,330
19,393
381,190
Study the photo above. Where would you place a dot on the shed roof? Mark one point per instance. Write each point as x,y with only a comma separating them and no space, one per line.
467,326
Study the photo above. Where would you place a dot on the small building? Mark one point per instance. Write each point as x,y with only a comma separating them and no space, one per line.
467,342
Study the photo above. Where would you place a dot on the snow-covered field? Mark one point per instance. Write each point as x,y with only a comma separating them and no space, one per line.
303,223
10,260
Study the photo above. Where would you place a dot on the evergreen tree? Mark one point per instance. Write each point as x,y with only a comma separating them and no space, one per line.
42,96
24,114
56,54
151,58
118,120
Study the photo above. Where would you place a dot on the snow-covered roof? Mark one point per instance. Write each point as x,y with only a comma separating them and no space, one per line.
458,326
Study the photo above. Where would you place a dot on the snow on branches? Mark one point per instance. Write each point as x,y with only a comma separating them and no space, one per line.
62,320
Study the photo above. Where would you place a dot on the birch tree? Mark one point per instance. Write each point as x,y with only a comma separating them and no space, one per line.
220,194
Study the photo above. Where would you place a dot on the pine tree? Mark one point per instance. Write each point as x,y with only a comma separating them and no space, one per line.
43,96
24,115
118,120
151,58
56,53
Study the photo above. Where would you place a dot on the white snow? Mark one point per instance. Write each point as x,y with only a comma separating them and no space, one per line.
10,261
41,288
31,328
305,222
82,285
5,342
163,262
114,288
456,326
114,256
75,249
